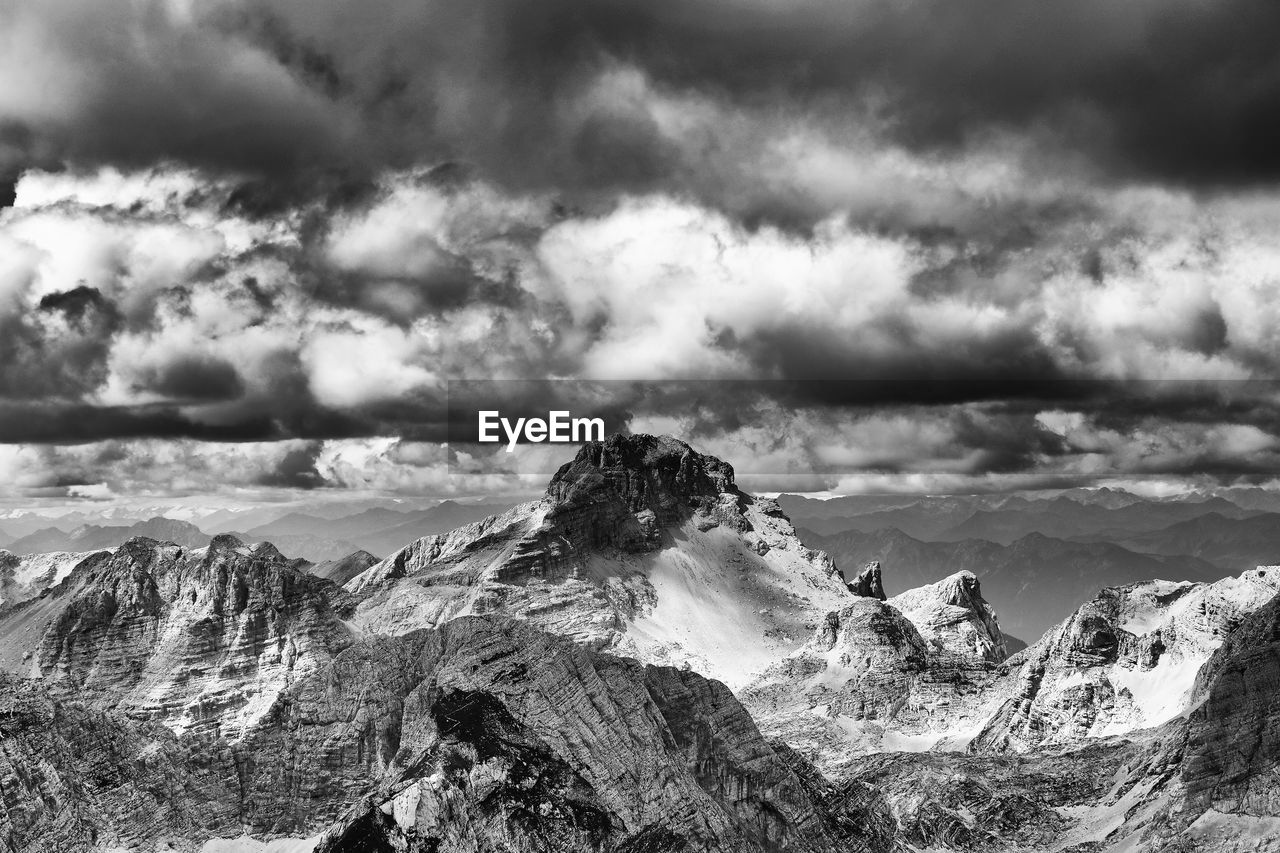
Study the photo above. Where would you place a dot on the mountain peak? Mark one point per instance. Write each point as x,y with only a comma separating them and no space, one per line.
225,542
953,614
622,492
868,583
658,473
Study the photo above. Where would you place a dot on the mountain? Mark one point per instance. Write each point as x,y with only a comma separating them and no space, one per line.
303,524
1034,582
201,640
1130,659
557,678
345,568
441,518
952,614
640,545
26,576
1063,518
876,675
483,734
1146,722
536,744
95,537
380,530
926,518
303,546
1232,544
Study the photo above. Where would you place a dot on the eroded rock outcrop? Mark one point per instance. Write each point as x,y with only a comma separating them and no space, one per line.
953,616
74,777
922,670
868,583
511,737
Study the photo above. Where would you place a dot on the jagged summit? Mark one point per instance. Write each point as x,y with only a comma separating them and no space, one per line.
868,583
655,472
622,491
198,639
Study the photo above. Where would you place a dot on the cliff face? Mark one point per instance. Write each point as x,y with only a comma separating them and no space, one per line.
77,778
640,545
480,735
200,640
870,681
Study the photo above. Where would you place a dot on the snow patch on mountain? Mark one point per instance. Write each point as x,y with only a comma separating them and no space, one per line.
1128,660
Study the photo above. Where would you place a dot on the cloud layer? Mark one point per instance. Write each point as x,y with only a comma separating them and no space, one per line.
968,243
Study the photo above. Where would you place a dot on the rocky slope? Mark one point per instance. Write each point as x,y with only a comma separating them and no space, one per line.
77,778
480,735
1130,659
345,568
93,537
878,678
640,545
953,616
26,576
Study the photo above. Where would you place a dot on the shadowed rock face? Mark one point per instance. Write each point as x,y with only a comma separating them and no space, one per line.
515,737
868,583
1233,737
73,777
620,493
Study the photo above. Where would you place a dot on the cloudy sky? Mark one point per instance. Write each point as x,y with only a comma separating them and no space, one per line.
967,245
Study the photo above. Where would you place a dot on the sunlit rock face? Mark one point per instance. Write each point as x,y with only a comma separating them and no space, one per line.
874,678
641,545
953,616
25,576
202,640
1130,659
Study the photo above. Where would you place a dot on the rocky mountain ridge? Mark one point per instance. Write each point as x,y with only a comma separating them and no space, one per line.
476,691
640,545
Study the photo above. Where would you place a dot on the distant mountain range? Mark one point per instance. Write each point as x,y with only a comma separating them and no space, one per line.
316,537
1233,544
92,537
379,530
1005,518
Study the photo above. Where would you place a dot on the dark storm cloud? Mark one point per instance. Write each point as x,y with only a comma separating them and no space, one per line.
71,423
296,470
1179,90
191,378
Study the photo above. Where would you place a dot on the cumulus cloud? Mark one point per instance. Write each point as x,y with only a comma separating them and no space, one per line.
892,240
